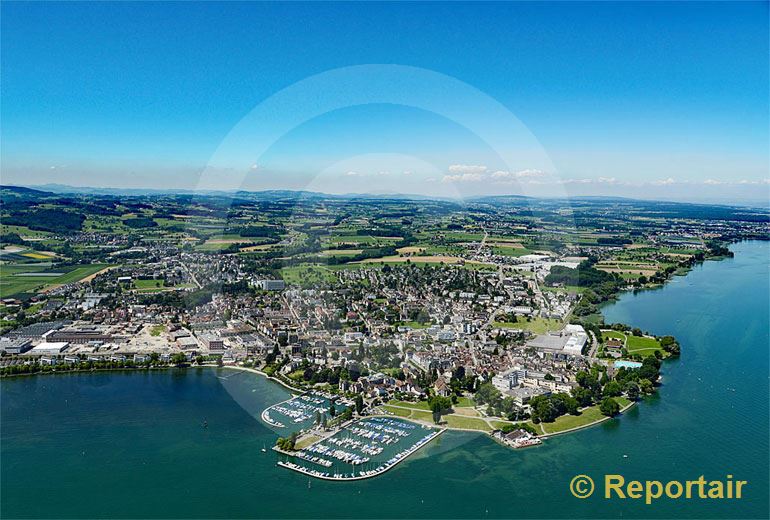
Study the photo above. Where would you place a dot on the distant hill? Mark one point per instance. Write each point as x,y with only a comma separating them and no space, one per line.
21,191
62,189
586,205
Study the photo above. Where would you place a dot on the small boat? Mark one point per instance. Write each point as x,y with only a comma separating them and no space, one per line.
263,449
625,456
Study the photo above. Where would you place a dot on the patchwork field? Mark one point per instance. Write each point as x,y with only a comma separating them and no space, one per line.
511,251
410,250
629,267
435,259
341,252
506,243
18,279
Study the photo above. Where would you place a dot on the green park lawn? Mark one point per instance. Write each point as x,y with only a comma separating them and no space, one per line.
640,345
411,413
466,423
306,275
535,325
588,416
419,405
413,324
421,411
148,285
306,441
400,412
464,402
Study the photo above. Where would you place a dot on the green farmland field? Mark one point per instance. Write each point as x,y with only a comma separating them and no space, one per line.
18,279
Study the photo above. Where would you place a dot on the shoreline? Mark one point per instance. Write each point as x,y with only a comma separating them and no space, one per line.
543,436
153,368
589,425
269,378
92,370
685,270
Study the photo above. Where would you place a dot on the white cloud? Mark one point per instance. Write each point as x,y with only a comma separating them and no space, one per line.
662,182
470,173
352,174
478,173
464,177
467,168
528,176
530,172
759,182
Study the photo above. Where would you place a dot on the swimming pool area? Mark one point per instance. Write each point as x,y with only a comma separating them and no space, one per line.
361,449
629,365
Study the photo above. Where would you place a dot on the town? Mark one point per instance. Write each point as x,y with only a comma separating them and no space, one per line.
483,318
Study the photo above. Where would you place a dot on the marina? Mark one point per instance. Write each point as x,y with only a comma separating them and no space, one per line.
300,412
362,449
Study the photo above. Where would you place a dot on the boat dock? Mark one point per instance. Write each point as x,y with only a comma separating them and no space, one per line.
361,443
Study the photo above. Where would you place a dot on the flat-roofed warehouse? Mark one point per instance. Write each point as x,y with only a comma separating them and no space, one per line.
36,330
15,345
548,342
49,349
78,336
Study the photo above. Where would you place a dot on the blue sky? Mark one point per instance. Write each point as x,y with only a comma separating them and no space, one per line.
666,100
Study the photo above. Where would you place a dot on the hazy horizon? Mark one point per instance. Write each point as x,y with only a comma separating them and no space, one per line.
759,203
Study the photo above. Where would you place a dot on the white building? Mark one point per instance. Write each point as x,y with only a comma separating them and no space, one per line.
50,349
505,381
15,346
271,285
576,341
352,337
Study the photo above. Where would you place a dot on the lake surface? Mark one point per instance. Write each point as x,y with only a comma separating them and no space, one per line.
133,444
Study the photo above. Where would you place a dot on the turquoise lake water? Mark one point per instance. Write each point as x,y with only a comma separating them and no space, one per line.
133,445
